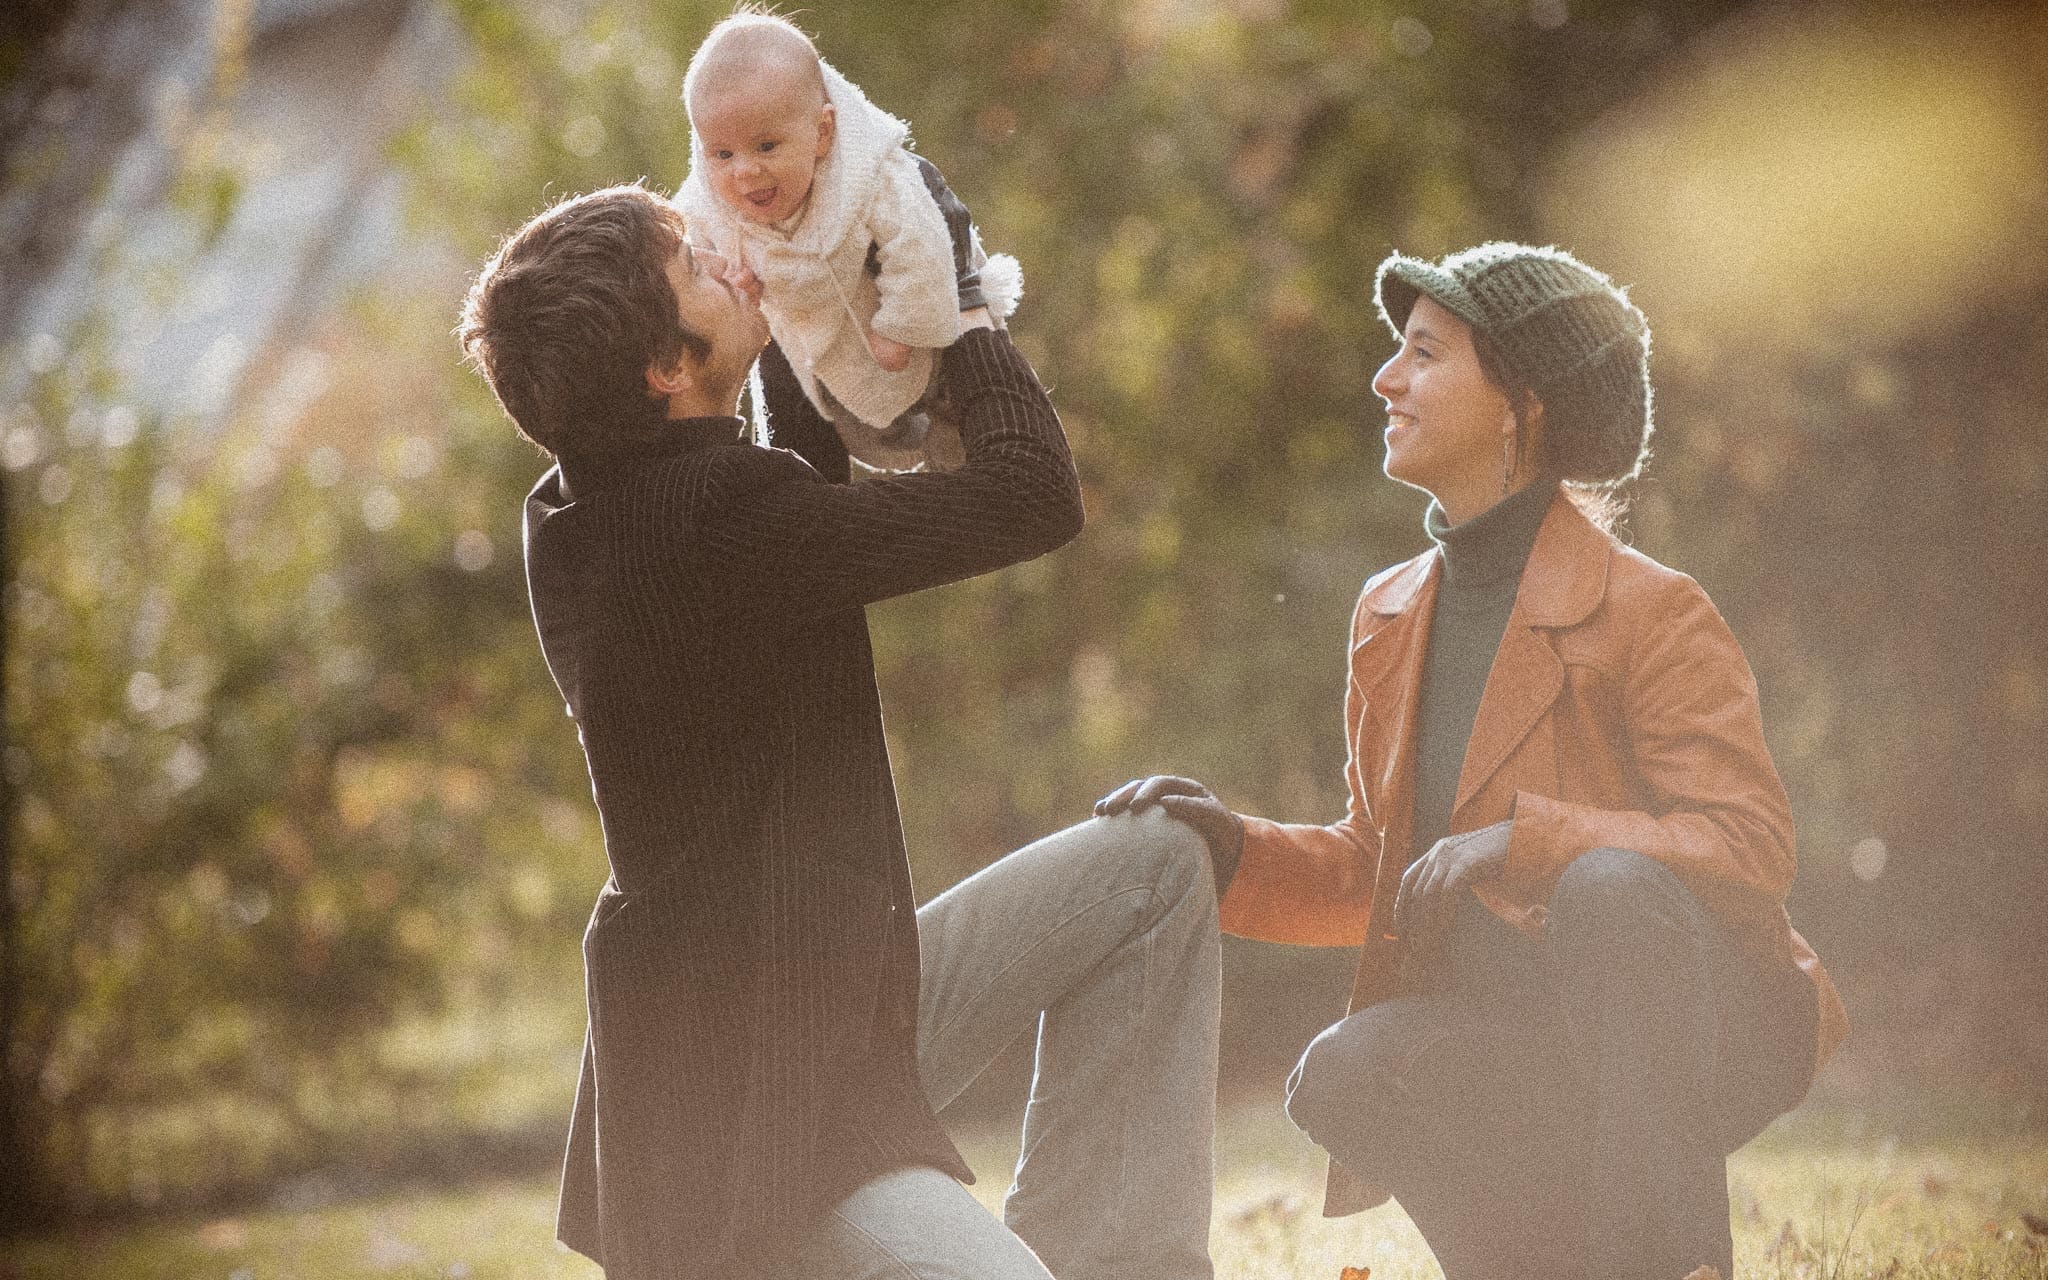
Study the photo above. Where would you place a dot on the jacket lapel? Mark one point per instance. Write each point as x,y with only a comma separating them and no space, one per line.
1388,667
1561,586
1525,680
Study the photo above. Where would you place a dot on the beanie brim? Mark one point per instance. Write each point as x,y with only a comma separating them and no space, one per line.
1553,326
1402,279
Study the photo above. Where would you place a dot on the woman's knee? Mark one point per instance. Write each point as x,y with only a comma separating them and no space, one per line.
1338,1088
1611,886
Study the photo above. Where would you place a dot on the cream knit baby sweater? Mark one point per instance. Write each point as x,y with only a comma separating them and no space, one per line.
816,293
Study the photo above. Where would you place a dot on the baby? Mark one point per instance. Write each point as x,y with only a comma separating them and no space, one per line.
795,173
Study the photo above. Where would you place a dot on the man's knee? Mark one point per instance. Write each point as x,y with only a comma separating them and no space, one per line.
1173,854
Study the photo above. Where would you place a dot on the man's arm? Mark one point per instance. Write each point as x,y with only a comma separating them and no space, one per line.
794,423
770,543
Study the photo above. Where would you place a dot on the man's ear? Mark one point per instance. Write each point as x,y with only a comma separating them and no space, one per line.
668,382
827,122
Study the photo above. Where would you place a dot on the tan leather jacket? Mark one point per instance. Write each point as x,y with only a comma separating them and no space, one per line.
1619,712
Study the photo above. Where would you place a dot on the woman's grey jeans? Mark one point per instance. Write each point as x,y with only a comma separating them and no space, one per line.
1564,1108
1103,936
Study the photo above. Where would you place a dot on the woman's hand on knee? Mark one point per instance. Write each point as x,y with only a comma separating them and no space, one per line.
1190,802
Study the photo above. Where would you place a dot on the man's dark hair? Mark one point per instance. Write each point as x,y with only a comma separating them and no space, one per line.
567,317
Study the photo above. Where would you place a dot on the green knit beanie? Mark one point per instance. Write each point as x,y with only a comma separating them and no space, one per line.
1561,329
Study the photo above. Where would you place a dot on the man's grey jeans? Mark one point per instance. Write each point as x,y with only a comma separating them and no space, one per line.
1104,936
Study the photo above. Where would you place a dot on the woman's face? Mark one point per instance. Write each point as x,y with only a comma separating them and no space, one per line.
1446,420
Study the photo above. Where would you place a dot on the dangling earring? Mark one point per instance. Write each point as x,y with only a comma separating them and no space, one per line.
1507,463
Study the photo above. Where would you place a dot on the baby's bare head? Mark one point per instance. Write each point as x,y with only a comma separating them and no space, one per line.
751,56
756,97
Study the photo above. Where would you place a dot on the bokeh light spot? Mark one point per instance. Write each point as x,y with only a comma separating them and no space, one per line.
473,550
118,429
42,352
584,136
380,509
21,446
1411,36
145,692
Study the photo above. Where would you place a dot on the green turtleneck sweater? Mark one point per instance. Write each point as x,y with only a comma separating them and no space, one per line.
1483,560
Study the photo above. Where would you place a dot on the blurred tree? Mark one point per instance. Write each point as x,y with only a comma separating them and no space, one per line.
17,1149
301,837
263,827
264,907
25,29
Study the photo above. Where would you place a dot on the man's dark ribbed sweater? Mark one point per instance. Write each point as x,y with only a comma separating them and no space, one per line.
752,966
1483,561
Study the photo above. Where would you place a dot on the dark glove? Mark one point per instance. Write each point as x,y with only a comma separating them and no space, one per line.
1433,885
1192,803
961,227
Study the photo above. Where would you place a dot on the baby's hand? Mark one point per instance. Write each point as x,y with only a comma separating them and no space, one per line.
889,353
742,278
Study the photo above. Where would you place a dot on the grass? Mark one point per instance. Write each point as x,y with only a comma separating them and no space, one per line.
1815,1198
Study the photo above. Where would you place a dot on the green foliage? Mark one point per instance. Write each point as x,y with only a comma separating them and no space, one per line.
27,30
280,827
304,839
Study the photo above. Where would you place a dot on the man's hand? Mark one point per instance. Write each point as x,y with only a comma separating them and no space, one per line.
1429,890
1192,803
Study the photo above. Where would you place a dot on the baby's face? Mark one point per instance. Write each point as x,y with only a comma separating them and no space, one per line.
762,143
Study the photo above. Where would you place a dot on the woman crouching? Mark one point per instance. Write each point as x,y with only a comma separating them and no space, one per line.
1567,849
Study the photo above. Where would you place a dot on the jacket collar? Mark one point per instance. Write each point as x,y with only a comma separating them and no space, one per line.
1393,592
587,474
1561,586
1567,573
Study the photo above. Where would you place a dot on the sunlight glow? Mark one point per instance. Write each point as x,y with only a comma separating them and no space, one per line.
1811,172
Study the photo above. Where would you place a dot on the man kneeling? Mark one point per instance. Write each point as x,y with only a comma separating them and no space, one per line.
768,1041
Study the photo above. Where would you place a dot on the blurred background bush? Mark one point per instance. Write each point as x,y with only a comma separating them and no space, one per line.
298,843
